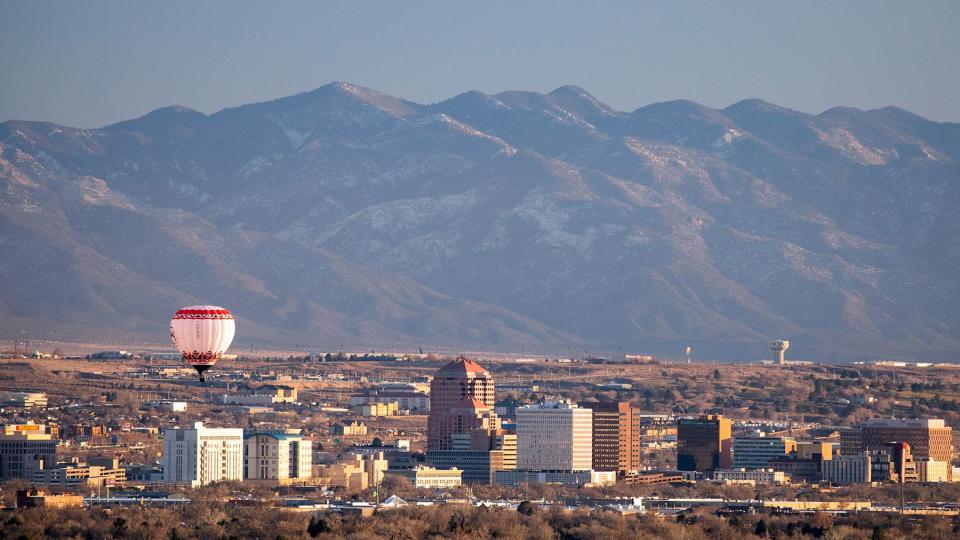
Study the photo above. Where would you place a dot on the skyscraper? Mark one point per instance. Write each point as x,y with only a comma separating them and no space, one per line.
554,436
459,392
704,444
616,436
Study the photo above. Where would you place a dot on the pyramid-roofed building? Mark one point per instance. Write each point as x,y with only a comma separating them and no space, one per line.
460,387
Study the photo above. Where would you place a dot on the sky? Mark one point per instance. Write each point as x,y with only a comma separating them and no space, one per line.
89,64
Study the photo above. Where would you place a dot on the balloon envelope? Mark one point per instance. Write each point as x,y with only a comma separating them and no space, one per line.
202,334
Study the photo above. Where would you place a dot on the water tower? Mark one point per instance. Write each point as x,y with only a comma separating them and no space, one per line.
778,346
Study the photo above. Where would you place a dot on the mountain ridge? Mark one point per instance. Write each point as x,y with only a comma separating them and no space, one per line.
521,219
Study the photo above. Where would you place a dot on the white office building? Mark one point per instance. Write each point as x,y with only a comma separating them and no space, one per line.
278,456
554,436
202,455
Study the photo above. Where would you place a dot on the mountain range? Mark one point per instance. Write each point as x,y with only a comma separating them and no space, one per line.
344,217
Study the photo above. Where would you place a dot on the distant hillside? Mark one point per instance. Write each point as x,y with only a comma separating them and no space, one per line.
508,221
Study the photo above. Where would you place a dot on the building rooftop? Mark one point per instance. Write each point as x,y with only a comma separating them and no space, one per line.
472,403
462,365
905,422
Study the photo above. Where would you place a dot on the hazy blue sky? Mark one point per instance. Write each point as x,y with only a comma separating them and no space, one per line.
93,63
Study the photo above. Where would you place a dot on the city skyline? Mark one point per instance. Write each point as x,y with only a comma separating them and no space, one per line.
503,270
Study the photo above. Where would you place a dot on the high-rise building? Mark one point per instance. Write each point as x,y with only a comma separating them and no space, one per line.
756,451
928,438
201,455
24,449
704,444
554,436
277,456
460,387
616,436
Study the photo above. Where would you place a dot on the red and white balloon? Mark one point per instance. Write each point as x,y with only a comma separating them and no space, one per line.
202,334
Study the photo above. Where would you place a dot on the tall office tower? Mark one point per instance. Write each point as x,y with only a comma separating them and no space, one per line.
201,455
554,436
278,456
756,451
704,444
616,436
460,380
24,449
928,438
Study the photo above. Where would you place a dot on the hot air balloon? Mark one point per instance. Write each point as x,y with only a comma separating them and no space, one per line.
202,334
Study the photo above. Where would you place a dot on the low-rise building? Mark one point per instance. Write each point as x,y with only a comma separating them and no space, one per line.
755,476
90,431
178,406
267,394
376,409
398,453
653,477
351,429
806,470
32,498
428,477
571,478
406,400
148,474
360,472
929,470
73,476
23,400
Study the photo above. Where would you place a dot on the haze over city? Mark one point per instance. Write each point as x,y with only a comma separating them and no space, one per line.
547,270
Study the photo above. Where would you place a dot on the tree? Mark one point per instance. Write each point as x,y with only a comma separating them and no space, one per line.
761,528
877,533
119,528
716,374
318,525
526,508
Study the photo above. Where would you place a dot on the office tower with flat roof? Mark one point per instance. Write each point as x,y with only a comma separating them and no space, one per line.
704,444
554,436
201,455
616,436
928,438
24,449
756,450
277,456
